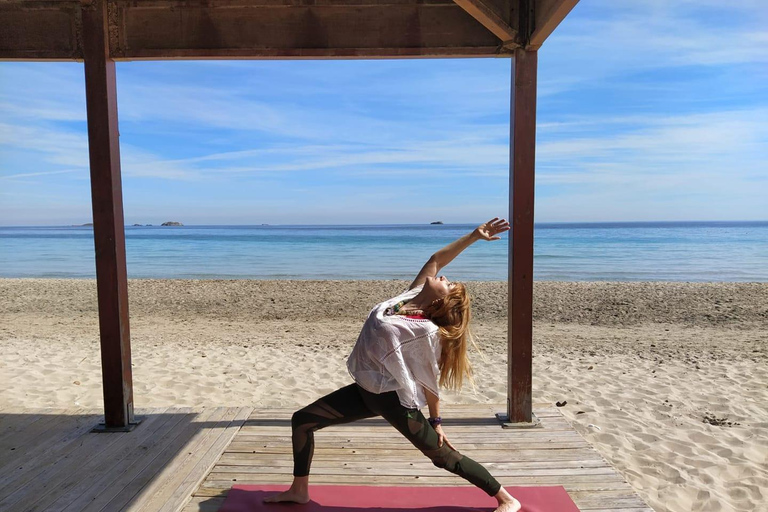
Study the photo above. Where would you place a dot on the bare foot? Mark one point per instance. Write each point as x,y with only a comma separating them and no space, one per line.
509,506
288,496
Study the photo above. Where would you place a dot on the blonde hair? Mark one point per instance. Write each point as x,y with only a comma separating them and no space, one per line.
452,315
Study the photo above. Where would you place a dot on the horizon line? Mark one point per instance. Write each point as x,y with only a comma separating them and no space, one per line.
90,224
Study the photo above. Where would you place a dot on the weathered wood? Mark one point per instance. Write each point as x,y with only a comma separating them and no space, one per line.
549,14
445,478
185,483
491,17
221,488
222,472
27,429
577,457
521,197
67,485
32,485
65,426
161,29
199,436
368,453
108,224
95,489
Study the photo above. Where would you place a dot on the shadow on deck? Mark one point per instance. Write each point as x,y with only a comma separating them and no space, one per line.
187,459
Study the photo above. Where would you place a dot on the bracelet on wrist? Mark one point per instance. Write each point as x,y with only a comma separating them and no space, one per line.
435,421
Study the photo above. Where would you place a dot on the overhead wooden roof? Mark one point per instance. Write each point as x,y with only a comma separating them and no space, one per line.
281,29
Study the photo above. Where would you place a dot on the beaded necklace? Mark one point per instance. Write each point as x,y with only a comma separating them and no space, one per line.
397,309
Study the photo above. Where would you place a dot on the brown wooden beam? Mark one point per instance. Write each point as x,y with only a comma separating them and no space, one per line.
108,224
491,18
549,14
258,29
521,195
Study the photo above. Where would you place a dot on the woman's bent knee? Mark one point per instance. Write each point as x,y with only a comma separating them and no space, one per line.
445,458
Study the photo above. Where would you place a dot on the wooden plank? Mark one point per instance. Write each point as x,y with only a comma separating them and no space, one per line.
110,474
184,489
385,433
152,493
491,17
528,459
245,460
159,29
360,445
108,223
401,469
179,445
221,488
33,484
200,31
106,462
35,30
24,438
444,478
45,446
475,414
131,483
12,423
549,14
521,198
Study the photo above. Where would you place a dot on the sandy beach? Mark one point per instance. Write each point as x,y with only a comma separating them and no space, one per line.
668,381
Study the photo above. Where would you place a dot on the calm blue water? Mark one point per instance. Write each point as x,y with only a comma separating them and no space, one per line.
675,251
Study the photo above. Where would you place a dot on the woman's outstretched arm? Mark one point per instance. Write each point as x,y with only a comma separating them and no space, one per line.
444,256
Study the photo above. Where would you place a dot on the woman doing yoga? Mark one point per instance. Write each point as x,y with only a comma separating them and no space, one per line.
409,346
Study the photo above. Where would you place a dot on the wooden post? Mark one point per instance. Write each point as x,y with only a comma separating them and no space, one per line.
108,225
521,192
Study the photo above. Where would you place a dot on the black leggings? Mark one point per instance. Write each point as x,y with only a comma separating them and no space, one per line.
353,403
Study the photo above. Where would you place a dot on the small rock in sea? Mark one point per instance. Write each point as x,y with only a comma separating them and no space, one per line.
561,404
172,223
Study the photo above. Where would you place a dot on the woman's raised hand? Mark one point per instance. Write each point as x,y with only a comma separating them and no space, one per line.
490,229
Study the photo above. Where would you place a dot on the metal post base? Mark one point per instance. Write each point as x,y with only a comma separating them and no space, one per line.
102,427
504,420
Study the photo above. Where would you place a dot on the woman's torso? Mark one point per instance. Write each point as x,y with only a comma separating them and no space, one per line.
397,353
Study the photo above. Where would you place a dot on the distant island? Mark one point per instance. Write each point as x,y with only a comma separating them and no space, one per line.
437,222
172,224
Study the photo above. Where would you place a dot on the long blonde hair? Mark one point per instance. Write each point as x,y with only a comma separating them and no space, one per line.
452,315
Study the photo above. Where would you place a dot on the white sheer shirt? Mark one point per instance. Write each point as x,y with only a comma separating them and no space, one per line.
395,353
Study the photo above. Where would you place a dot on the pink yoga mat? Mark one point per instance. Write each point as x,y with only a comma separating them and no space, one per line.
346,498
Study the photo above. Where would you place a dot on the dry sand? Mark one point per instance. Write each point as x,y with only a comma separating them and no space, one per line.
668,381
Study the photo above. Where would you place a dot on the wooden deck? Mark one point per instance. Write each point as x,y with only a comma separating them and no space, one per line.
183,459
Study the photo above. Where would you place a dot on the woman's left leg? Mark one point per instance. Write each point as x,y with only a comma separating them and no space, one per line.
342,406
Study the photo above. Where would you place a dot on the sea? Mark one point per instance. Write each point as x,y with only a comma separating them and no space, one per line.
621,251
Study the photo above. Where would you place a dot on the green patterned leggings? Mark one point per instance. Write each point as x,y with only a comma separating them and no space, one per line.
353,403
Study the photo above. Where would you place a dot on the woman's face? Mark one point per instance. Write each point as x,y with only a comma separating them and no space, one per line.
439,285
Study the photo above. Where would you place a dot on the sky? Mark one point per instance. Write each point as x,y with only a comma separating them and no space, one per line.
647,111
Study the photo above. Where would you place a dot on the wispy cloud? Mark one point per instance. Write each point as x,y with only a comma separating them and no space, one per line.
643,113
